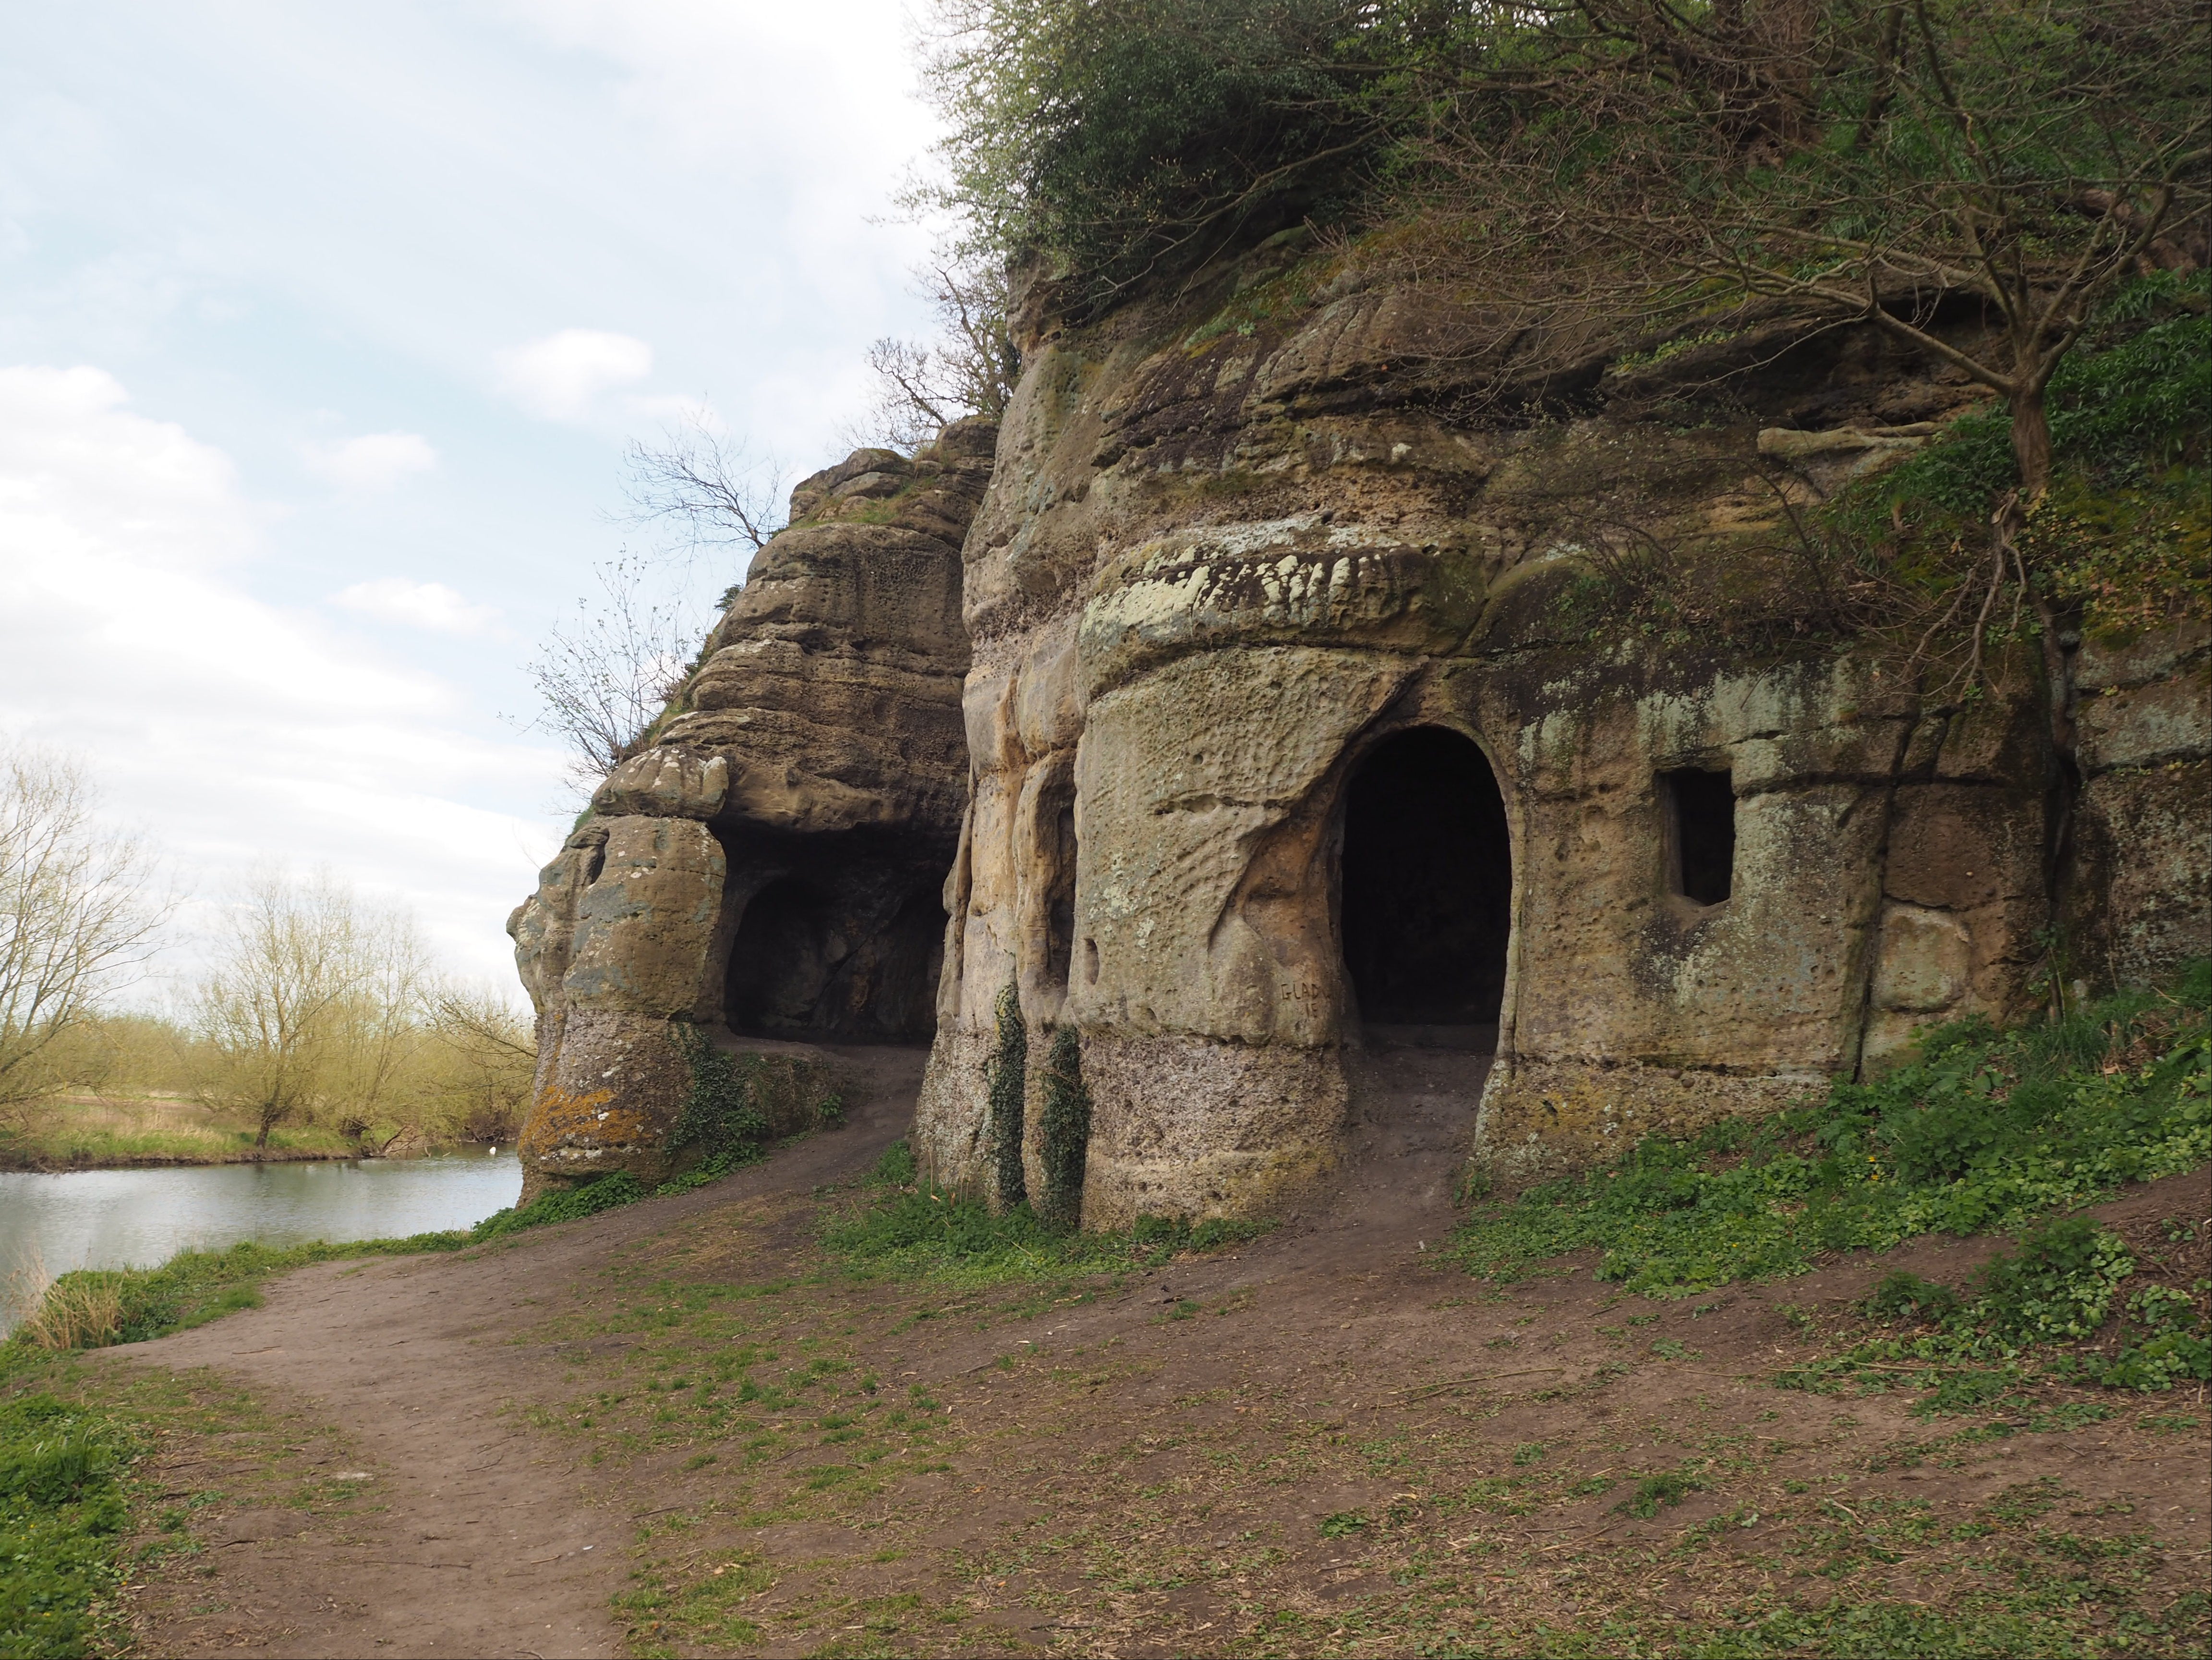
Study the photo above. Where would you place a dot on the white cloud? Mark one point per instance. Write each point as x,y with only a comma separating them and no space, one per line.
232,728
374,461
64,436
562,376
431,606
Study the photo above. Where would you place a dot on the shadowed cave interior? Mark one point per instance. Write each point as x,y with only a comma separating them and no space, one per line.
846,950
1426,890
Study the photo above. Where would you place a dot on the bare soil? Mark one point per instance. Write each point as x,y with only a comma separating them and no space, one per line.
679,1428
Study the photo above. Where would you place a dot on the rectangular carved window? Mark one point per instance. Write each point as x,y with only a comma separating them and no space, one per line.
1700,834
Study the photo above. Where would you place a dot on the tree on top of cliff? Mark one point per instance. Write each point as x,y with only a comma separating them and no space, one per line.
604,677
1870,159
1875,161
969,369
1975,178
705,484
1122,141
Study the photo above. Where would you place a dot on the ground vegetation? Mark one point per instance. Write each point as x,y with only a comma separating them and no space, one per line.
831,1409
1981,1131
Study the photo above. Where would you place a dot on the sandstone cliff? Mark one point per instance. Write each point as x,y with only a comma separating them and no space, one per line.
1264,715
771,865
1261,589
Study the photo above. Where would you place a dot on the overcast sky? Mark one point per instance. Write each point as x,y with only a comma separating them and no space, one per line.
322,330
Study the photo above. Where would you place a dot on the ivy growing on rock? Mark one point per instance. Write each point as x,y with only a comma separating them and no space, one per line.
1006,1085
1064,1129
723,1117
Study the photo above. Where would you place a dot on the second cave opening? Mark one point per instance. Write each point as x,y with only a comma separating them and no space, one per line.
1427,886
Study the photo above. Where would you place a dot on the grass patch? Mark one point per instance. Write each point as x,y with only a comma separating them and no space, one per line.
62,1519
1985,1130
907,1227
93,1308
1654,1492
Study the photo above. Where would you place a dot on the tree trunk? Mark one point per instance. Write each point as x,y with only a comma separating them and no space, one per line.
2031,441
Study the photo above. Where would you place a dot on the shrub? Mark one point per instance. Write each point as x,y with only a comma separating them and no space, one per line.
2057,1287
605,1193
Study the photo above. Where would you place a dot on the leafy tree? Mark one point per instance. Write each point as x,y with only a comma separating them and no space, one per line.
1120,141
310,1002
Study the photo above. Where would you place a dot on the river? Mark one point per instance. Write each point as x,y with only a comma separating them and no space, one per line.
118,1219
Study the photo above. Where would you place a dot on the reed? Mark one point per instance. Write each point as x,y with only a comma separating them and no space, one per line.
82,1311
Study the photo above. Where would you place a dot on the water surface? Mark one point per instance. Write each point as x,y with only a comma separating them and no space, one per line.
122,1219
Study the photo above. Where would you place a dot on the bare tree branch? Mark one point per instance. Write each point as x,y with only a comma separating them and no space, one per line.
706,485
78,912
604,677
970,368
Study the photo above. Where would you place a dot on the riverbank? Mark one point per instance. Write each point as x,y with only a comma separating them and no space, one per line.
156,1132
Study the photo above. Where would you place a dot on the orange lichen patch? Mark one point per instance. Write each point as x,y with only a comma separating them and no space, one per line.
560,1117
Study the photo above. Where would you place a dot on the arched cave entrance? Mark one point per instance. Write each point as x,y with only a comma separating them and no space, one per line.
853,960
1426,889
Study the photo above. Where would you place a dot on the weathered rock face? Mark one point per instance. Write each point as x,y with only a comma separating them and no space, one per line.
1284,737
1261,715
770,869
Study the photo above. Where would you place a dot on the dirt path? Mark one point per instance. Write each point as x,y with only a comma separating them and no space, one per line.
473,1535
1329,1440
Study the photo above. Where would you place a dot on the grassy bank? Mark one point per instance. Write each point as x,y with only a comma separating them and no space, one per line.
1985,1131
96,1132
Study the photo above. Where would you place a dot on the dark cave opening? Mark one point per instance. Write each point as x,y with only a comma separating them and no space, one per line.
853,959
1426,887
1700,834
780,961
903,1000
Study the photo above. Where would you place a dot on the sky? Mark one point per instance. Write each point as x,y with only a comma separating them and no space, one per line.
323,331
